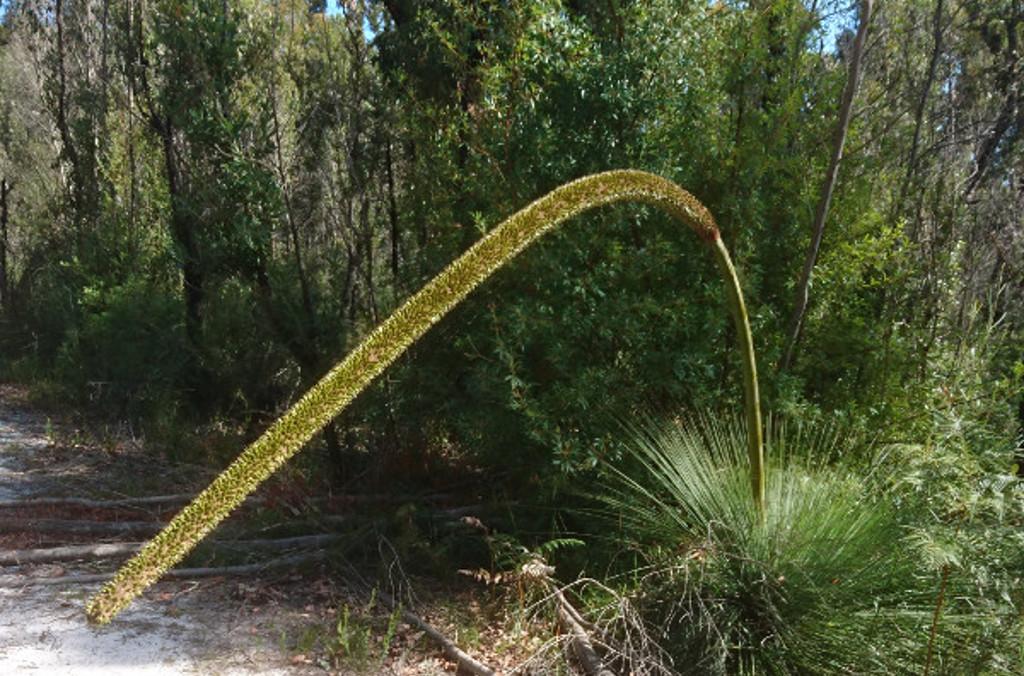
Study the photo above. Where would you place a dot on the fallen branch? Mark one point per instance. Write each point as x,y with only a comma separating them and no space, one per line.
92,552
108,528
87,503
9,581
465,661
564,604
584,649
89,552
182,498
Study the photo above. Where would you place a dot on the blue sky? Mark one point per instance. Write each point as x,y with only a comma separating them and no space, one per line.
833,24
334,8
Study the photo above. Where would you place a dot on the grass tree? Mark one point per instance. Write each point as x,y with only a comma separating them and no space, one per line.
387,342
827,582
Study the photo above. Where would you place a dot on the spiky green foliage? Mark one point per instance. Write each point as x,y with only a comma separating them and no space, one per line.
827,582
340,386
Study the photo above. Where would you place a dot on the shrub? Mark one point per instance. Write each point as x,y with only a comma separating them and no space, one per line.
827,583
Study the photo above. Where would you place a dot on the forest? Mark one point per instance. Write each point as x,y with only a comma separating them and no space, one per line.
206,205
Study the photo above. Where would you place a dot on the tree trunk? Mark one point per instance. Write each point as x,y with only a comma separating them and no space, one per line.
67,144
304,351
88,503
828,187
309,329
184,235
68,152
80,128
182,226
5,191
922,102
1018,455
392,212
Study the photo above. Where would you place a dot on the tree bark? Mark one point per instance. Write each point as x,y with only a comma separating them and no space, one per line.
828,187
67,144
90,552
81,159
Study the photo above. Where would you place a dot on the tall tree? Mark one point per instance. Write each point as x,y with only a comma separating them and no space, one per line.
828,185
5,191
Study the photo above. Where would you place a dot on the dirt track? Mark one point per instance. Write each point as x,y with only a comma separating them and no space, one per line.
178,627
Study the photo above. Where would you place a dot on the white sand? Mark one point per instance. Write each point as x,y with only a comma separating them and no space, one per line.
176,628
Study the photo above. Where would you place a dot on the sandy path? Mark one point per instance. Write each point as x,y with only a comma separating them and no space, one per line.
178,627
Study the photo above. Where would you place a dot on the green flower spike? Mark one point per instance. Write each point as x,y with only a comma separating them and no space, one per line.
332,394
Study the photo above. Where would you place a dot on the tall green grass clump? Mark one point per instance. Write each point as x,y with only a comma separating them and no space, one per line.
345,381
826,582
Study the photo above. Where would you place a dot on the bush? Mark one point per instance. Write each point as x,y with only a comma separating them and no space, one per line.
826,583
126,354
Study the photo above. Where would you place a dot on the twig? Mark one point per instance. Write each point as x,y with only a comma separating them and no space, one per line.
935,619
631,649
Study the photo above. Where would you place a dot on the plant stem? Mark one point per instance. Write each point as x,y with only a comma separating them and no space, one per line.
935,619
752,399
389,340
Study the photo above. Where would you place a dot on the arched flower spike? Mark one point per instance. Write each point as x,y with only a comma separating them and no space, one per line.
332,394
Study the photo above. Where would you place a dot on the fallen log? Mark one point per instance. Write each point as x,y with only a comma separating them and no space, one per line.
93,552
105,528
88,503
183,498
9,581
90,552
